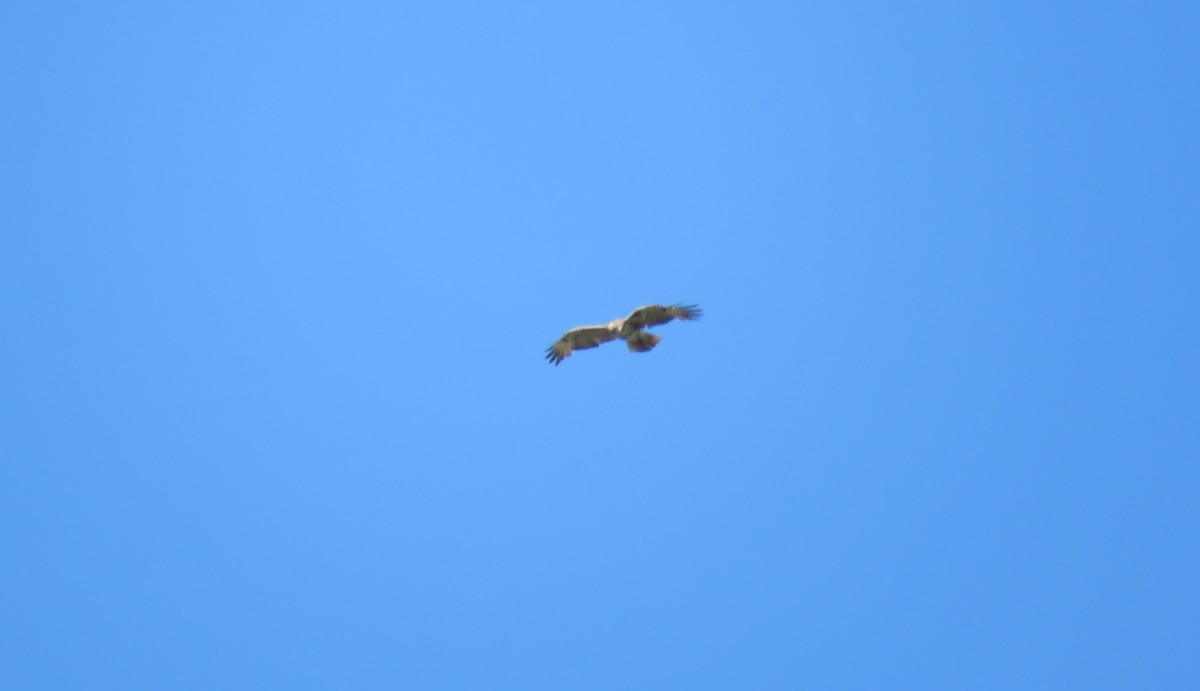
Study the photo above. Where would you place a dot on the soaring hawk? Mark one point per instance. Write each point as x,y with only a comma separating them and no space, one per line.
631,329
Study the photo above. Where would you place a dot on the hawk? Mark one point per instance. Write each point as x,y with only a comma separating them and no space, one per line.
631,329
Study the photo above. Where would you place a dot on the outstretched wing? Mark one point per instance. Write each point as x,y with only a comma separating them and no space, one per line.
653,315
580,338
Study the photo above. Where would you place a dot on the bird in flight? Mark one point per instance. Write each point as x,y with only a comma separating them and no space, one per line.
631,329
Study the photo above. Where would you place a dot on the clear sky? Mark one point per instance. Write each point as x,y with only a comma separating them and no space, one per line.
276,280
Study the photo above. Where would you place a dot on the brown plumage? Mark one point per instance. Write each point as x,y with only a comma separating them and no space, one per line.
631,329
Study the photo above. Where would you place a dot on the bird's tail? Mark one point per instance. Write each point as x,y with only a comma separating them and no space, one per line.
642,342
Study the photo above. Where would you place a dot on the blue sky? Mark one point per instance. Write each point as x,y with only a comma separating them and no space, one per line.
276,280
